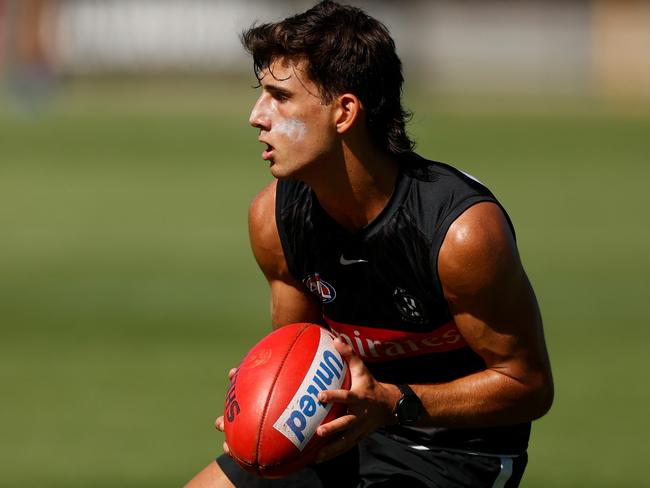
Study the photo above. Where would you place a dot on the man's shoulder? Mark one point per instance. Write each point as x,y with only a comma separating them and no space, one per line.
478,248
277,191
439,193
428,171
263,204
448,205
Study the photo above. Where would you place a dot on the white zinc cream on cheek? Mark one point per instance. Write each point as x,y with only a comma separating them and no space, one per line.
293,129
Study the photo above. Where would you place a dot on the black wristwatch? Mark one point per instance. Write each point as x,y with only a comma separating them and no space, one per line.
408,409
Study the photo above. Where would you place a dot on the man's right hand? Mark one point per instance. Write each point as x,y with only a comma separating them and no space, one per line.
219,423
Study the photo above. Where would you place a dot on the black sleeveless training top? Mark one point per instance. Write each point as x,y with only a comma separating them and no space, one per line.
380,290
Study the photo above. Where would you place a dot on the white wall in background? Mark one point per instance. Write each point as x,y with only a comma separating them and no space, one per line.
528,43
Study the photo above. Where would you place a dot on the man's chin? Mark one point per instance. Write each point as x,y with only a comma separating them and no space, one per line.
278,174
277,169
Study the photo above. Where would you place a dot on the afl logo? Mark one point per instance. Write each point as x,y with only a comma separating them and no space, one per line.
320,288
410,308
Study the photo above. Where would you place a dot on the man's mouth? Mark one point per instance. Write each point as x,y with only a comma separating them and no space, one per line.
267,153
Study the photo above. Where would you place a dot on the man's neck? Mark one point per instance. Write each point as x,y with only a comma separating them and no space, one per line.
358,189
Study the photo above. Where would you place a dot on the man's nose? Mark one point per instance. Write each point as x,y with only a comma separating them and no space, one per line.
259,117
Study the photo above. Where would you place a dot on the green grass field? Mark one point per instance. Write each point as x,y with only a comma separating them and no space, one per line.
127,288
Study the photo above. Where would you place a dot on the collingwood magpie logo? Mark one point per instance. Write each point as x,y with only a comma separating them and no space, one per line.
410,308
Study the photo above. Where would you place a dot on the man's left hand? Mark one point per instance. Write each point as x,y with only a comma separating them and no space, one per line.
370,406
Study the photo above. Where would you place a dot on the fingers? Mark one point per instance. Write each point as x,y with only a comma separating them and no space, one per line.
232,373
356,364
219,423
337,425
343,348
336,396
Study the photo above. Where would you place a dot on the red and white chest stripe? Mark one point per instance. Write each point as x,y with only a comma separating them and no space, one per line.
376,345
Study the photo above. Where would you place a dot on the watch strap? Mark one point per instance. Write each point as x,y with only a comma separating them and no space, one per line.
407,390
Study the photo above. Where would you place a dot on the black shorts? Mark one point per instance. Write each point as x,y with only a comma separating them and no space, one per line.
381,461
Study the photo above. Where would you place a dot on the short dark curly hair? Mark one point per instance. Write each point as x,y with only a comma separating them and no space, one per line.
346,51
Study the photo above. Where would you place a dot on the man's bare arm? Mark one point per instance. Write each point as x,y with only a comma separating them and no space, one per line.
290,302
495,309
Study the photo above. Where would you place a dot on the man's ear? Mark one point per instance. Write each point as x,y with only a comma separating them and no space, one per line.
347,112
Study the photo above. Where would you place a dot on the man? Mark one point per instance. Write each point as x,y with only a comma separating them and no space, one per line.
411,263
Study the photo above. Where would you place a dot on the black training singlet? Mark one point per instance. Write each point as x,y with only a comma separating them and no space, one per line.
380,290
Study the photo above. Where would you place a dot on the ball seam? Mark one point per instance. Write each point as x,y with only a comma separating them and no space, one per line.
268,398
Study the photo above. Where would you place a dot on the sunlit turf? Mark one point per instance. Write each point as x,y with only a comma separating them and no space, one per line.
127,288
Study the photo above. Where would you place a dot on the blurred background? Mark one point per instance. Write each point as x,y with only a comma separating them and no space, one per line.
127,288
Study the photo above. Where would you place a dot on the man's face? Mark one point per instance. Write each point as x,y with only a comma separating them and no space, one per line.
298,128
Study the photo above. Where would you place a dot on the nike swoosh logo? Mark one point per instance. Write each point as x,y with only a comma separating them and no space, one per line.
346,262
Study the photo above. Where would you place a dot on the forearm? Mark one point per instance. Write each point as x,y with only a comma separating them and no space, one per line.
484,399
488,398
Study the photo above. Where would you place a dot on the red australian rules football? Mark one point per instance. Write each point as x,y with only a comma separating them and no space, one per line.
272,409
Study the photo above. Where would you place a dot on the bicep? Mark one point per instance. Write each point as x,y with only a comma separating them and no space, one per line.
290,301
490,296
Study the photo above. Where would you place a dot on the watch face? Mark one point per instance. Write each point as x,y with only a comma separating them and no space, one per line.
408,410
